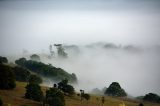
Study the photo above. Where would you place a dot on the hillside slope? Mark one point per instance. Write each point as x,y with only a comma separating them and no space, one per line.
15,98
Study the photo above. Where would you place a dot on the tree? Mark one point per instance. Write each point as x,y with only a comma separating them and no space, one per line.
152,97
7,77
3,59
65,87
35,79
54,97
115,90
21,74
35,57
34,92
21,62
60,50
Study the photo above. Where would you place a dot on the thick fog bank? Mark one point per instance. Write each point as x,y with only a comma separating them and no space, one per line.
96,66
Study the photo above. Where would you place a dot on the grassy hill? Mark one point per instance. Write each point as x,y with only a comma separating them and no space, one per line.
15,98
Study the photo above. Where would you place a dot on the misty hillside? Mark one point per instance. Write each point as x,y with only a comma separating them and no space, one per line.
80,52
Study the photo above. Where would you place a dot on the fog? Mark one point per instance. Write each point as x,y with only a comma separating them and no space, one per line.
136,69
35,24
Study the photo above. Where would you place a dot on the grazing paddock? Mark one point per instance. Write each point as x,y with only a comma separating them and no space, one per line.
15,97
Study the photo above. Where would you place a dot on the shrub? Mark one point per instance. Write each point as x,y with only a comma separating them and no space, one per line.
54,97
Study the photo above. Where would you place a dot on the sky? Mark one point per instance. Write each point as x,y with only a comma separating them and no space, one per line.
34,24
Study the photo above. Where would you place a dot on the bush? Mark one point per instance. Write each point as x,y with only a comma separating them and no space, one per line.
54,97
34,92
7,77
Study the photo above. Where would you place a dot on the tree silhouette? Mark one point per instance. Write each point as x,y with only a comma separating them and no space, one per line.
7,77
34,92
54,97
115,90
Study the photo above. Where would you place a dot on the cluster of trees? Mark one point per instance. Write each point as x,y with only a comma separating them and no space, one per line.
54,96
24,75
152,97
65,87
8,75
21,74
61,51
115,90
46,70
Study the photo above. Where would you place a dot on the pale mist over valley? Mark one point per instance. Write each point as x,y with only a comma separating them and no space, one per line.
105,40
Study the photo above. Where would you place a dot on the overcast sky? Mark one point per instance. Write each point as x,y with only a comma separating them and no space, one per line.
34,24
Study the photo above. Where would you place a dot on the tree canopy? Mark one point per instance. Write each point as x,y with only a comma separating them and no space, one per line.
65,87
7,77
35,79
115,90
21,74
152,97
35,57
54,97
34,92
46,70
3,59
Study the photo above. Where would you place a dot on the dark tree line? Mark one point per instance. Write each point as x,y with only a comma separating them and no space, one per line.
151,97
21,74
46,70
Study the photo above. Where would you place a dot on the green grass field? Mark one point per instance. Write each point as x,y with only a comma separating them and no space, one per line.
15,97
